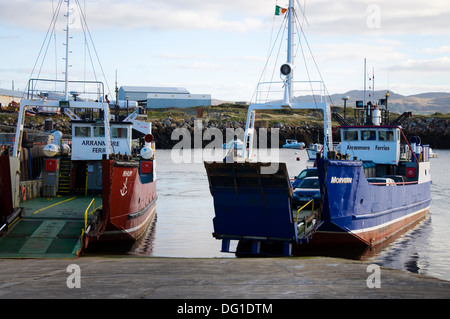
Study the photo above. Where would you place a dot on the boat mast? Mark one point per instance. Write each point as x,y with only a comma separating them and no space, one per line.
66,79
287,76
290,48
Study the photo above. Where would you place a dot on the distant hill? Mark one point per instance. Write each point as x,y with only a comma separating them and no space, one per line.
424,103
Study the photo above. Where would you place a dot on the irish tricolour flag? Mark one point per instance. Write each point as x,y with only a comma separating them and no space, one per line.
279,10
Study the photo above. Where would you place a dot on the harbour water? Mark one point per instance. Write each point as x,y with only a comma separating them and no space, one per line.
185,211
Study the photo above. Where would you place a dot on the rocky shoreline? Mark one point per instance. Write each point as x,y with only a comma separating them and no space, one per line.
432,131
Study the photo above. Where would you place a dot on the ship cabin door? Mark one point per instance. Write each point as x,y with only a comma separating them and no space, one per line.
79,176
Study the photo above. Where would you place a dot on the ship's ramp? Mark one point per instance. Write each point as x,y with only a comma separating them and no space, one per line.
252,201
48,228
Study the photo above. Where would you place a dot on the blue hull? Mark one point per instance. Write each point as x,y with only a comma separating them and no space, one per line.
369,213
255,208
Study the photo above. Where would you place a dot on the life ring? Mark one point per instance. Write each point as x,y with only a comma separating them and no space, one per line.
24,193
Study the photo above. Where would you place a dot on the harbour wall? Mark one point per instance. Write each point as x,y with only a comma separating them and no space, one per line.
432,131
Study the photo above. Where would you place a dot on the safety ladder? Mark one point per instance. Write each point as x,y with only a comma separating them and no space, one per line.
64,177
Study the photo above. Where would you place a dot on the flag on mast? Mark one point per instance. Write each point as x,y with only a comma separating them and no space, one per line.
279,10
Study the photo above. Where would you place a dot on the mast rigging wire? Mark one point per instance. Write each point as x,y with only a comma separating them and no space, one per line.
51,33
300,32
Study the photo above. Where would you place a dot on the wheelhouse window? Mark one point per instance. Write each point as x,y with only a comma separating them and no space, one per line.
368,135
350,135
119,132
386,136
99,131
82,131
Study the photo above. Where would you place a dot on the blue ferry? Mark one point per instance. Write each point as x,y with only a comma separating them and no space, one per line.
378,185
373,184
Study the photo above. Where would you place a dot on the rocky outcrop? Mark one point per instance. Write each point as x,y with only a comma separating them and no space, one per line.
166,138
432,131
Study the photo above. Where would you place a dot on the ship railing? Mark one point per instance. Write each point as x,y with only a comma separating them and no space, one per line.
313,220
301,208
86,213
394,184
55,89
304,91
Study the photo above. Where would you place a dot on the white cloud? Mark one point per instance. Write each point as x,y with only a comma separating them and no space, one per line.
324,16
176,56
374,51
353,17
441,49
439,65
198,66
223,43
230,15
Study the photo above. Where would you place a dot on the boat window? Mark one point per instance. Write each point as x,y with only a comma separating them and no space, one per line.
350,135
368,135
119,132
386,136
82,131
99,131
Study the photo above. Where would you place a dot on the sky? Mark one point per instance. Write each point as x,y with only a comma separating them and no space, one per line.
220,47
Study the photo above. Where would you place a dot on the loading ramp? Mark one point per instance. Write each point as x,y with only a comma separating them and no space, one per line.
252,204
49,228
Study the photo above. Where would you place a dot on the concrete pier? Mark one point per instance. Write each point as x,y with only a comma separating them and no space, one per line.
214,278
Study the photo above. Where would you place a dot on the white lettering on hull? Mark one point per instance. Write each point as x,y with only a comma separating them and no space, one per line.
341,180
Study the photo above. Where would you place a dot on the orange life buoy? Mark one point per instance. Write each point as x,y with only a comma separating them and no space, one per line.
24,193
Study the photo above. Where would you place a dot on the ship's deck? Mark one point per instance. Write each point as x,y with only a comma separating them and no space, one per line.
50,227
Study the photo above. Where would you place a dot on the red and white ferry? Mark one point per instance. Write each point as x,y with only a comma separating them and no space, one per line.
102,161
110,158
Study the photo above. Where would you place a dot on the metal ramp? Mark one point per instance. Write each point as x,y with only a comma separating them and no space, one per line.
48,228
252,206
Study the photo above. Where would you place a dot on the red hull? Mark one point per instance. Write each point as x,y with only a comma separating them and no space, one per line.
129,205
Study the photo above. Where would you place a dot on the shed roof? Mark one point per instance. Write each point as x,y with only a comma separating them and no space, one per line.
155,89
6,92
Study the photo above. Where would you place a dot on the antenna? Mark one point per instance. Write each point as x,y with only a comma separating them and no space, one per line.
66,79
373,85
117,90
365,75
116,106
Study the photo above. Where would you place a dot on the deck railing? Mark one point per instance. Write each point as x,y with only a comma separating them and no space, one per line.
298,211
86,213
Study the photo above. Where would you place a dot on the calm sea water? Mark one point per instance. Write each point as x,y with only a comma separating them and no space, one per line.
183,227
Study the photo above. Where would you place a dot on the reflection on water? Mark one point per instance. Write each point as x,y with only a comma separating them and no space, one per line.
403,253
144,246
185,211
